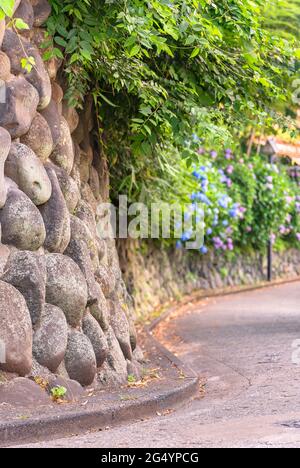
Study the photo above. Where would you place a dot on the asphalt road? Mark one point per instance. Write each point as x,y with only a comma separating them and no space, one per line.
246,348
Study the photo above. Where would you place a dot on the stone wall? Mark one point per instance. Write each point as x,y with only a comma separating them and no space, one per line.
154,276
63,304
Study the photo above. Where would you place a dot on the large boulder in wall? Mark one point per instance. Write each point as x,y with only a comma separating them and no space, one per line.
4,67
15,331
100,311
52,117
16,47
25,13
78,250
19,108
66,287
23,392
114,370
120,326
93,331
81,232
71,116
26,271
68,187
56,217
21,222
39,138
106,280
51,338
63,154
28,172
42,11
57,95
80,359
5,143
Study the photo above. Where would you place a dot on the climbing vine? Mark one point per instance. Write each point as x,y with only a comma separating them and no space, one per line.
158,69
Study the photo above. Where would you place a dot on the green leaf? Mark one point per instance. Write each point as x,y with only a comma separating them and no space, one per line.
135,50
7,6
20,24
106,99
27,63
195,52
60,41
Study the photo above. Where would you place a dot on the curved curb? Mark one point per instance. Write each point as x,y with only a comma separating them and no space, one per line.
77,422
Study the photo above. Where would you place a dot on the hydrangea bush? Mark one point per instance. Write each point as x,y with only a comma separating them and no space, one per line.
246,200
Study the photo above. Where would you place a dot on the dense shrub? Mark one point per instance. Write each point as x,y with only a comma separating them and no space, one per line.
161,70
247,201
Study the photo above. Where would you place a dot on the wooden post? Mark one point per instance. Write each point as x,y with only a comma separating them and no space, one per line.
270,260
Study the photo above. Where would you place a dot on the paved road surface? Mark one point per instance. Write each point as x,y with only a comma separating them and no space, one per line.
243,345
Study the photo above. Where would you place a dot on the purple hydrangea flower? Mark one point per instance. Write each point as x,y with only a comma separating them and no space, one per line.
228,154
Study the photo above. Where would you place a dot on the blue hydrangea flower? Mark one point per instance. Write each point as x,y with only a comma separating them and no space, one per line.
233,213
223,203
204,250
186,236
203,198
